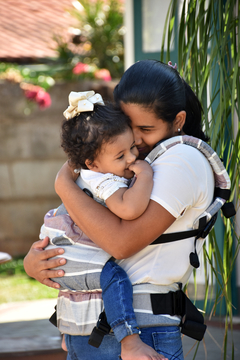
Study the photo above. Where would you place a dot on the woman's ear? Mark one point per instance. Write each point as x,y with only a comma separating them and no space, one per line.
179,121
91,165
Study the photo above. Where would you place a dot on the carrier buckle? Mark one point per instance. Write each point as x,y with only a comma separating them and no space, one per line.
178,302
100,330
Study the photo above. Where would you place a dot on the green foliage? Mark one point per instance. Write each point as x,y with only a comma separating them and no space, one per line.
12,267
99,37
16,285
39,74
22,288
208,59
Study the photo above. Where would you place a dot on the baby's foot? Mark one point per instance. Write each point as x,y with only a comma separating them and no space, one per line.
132,348
64,346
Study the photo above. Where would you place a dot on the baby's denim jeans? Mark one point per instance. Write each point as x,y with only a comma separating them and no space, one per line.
117,296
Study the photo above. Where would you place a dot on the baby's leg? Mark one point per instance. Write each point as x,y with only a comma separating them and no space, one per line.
64,346
118,297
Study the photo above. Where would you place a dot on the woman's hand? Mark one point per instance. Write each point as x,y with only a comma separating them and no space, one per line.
38,263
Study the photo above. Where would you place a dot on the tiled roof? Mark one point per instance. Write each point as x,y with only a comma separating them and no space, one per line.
27,27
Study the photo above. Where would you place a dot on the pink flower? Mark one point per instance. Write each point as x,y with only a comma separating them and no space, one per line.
43,99
37,94
81,68
30,94
103,74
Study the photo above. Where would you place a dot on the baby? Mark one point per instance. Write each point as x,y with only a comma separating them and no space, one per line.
100,146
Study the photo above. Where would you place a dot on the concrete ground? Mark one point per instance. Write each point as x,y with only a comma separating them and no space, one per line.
25,332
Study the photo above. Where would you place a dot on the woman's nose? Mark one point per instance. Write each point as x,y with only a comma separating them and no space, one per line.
137,137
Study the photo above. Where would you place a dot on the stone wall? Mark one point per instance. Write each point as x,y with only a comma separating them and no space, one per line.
30,157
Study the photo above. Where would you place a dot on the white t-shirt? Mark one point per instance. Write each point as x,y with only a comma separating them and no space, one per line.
184,186
101,185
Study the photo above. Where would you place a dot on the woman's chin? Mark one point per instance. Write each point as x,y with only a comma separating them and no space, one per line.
142,156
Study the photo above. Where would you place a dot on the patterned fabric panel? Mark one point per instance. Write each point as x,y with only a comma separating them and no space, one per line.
85,259
62,224
78,312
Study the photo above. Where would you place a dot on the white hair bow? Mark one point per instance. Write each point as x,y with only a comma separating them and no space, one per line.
81,102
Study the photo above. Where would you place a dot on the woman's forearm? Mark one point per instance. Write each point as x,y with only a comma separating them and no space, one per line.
85,212
130,203
118,237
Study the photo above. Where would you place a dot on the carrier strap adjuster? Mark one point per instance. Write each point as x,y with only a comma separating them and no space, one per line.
100,330
171,303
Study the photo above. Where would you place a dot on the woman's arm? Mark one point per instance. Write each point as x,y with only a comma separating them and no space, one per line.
37,265
130,203
120,238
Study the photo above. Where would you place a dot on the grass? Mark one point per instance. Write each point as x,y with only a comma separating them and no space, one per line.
16,285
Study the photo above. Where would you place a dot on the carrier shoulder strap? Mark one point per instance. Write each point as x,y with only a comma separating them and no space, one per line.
204,223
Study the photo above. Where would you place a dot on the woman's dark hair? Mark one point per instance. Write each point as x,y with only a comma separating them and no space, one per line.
160,89
83,136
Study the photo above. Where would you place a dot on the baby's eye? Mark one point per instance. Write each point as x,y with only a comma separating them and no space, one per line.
133,146
145,129
120,157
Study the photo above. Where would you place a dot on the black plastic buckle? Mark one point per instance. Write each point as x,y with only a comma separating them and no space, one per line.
100,330
178,302
88,192
53,318
209,226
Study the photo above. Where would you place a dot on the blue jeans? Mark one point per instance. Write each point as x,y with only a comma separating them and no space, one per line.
165,340
117,296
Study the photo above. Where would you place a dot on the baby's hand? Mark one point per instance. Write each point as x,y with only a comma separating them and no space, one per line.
141,166
132,348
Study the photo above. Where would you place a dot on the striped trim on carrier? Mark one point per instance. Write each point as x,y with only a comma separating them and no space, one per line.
205,222
222,180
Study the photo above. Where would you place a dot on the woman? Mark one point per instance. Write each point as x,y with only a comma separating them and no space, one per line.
160,105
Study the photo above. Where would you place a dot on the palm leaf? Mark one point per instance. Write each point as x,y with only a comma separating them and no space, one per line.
208,59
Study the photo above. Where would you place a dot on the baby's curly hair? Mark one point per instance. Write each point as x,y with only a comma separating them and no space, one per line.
84,135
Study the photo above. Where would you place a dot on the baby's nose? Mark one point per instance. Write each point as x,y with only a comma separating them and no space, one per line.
131,158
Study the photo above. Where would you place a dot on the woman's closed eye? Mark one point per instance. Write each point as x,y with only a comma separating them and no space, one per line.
145,129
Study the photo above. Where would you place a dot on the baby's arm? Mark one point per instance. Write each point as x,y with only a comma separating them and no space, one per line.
130,203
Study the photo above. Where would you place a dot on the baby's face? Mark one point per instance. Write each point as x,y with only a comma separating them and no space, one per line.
116,157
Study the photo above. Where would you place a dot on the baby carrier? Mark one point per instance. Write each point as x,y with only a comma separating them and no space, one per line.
177,303
172,303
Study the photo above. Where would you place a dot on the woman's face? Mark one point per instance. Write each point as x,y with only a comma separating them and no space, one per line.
147,128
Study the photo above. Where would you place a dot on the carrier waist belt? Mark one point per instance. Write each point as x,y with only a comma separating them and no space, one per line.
177,303
172,303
